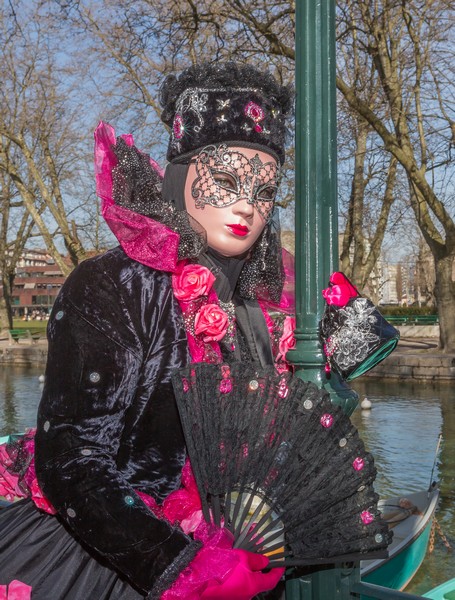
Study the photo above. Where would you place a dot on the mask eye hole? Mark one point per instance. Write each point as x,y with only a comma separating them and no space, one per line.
266,193
225,181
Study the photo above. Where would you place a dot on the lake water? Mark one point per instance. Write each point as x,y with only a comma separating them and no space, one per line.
401,431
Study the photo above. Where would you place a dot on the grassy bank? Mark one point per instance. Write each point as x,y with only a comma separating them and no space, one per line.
33,325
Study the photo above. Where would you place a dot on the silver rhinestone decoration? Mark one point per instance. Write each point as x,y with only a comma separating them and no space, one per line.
342,443
253,385
59,315
46,426
86,452
378,538
308,404
94,377
129,500
361,488
70,512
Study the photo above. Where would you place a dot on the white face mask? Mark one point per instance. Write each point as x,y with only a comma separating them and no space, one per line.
231,193
225,175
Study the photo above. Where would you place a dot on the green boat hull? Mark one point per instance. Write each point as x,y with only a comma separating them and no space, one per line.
445,591
397,571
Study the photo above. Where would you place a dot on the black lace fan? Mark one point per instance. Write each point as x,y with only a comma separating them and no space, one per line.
279,465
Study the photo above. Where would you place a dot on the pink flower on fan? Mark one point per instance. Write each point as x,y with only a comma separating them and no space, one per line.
358,463
287,340
191,282
211,322
366,517
16,590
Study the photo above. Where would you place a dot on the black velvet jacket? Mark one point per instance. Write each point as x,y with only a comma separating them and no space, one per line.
108,423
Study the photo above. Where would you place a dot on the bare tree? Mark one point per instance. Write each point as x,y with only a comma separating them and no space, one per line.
396,85
35,121
408,43
11,247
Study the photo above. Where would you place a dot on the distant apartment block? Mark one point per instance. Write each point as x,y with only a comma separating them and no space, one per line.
37,282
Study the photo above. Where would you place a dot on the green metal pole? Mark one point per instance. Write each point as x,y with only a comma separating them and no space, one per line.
317,256
316,239
316,216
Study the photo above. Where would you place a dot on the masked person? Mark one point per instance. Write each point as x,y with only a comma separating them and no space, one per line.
198,272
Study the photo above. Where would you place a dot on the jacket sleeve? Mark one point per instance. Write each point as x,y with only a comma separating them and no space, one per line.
99,332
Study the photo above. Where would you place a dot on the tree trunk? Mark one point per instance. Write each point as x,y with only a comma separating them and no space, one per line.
445,298
354,233
6,313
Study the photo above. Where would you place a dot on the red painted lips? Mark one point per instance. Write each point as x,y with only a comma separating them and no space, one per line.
240,230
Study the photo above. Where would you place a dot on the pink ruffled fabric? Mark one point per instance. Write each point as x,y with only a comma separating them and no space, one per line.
16,590
184,506
287,341
9,483
151,503
14,486
340,290
215,561
142,238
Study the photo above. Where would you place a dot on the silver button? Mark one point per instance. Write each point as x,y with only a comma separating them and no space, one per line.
86,452
46,426
378,538
308,404
342,443
94,377
70,512
253,385
59,315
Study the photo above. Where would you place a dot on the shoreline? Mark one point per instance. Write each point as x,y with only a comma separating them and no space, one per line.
414,359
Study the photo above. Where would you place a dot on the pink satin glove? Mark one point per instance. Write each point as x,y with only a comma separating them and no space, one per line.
246,580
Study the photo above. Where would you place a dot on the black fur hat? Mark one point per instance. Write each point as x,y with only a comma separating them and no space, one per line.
224,102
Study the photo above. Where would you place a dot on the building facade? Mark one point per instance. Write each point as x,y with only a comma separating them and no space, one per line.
37,282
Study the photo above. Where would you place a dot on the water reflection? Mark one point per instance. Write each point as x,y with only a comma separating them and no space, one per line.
20,392
401,431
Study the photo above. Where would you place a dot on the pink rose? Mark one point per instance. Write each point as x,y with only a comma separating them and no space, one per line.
191,282
287,340
211,322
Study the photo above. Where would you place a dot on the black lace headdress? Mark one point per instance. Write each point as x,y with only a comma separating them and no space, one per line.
224,102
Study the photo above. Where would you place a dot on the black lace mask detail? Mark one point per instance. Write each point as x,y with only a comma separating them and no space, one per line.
225,175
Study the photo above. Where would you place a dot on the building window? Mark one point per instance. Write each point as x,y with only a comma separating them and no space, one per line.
43,300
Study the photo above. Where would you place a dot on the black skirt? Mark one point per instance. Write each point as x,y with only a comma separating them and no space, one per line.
38,550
